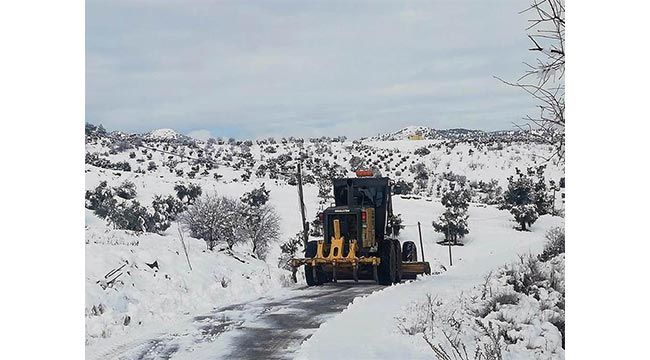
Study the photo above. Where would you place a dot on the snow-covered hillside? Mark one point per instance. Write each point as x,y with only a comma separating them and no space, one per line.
144,297
427,165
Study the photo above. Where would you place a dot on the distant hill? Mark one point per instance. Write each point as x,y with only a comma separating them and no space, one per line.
427,133
165,134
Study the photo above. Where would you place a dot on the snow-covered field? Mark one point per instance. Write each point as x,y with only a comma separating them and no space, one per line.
146,300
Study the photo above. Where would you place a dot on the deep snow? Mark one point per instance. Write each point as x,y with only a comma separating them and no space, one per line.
162,301
368,328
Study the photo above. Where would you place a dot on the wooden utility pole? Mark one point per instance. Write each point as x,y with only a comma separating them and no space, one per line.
451,263
305,225
187,256
421,247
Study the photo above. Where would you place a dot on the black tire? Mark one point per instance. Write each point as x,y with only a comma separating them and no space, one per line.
409,251
398,265
387,267
310,252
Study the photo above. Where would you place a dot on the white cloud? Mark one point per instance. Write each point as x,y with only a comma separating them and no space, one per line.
200,134
300,68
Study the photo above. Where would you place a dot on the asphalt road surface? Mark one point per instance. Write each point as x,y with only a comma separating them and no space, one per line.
266,328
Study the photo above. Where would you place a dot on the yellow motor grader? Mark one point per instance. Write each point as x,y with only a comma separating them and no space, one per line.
358,242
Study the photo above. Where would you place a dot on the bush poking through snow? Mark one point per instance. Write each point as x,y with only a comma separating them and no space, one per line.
402,187
555,244
289,250
166,210
126,190
516,313
256,197
188,193
168,205
494,302
100,200
525,214
130,216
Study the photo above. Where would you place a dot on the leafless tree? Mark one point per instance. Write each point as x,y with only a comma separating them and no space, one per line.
214,219
544,79
260,226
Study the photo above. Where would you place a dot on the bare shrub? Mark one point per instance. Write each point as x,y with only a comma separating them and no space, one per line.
260,226
494,302
489,349
214,219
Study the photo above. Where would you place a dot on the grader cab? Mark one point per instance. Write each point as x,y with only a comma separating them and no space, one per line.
358,242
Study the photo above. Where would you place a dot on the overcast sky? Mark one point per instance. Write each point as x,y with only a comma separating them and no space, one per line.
306,67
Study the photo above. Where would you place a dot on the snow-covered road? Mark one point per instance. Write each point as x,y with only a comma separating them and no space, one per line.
267,328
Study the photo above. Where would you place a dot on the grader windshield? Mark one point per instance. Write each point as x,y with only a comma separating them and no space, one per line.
349,225
363,193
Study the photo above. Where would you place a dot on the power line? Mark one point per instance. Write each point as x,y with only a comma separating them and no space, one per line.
132,142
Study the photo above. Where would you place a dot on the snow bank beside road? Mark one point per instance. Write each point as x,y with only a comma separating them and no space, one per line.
368,328
145,297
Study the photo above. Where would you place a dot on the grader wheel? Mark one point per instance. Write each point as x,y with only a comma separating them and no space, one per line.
398,258
387,271
313,274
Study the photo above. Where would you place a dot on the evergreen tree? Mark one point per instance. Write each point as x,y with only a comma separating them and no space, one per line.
453,222
521,199
543,201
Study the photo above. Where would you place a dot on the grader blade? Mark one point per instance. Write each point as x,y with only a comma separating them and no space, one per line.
410,270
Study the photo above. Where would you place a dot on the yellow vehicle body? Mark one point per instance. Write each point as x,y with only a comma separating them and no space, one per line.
349,264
